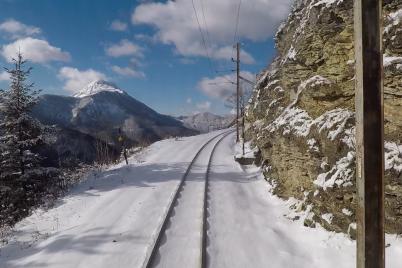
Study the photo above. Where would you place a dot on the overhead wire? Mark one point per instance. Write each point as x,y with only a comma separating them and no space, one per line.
237,22
202,37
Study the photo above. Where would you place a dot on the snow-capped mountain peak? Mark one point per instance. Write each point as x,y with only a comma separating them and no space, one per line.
96,87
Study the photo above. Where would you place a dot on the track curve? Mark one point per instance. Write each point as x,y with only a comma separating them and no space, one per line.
152,255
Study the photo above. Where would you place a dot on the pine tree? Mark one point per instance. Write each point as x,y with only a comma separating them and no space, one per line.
22,179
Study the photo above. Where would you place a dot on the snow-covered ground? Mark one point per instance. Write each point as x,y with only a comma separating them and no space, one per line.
111,220
108,221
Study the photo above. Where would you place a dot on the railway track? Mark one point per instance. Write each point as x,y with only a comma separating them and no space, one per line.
182,236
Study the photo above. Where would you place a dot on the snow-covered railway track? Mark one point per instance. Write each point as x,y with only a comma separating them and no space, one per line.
182,236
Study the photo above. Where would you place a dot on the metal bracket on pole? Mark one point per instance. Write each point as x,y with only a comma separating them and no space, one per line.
369,134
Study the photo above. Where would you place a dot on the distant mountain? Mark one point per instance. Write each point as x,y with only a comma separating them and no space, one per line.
101,108
205,122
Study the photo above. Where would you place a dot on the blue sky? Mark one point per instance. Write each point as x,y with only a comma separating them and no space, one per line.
153,50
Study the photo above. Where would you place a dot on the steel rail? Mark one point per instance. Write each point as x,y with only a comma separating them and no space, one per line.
151,255
204,238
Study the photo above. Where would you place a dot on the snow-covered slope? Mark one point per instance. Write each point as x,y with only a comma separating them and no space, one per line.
205,122
101,108
96,87
110,220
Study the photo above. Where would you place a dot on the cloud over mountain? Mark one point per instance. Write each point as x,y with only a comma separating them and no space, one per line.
75,79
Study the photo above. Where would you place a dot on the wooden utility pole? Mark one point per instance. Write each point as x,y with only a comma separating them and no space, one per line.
237,90
369,134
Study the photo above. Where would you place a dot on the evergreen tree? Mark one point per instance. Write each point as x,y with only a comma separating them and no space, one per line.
22,179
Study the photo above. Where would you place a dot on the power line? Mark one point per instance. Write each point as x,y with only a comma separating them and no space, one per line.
206,25
202,36
237,22
236,29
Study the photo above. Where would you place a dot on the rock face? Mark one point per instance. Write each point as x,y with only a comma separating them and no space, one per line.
301,115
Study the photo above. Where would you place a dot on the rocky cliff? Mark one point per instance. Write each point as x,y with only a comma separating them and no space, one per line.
301,115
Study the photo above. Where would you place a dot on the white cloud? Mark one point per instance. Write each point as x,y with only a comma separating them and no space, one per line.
35,50
220,87
124,48
119,26
76,79
225,53
145,38
189,100
4,76
175,23
17,29
127,71
204,105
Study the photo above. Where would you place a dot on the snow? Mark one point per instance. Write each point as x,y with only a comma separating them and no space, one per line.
296,121
341,174
327,217
271,83
96,87
394,19
347,212
291,54
206,122
110,220
335,121
248,229
314,81
327,3
123,204
182,237
393,156
390,60
312,145
293,121
249,150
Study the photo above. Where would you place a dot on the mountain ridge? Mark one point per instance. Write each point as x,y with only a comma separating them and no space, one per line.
206,121
106,112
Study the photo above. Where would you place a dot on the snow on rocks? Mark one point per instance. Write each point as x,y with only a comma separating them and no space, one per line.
394,19
347,212
390,60
341,174
327,217
312,145
314,81
274,82
292,121
327,3
335,121
393,156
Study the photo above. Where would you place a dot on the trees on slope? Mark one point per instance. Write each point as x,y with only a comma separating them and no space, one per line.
23,181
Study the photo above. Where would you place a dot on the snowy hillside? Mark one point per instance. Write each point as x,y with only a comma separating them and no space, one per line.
99,110
111,219
205,122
